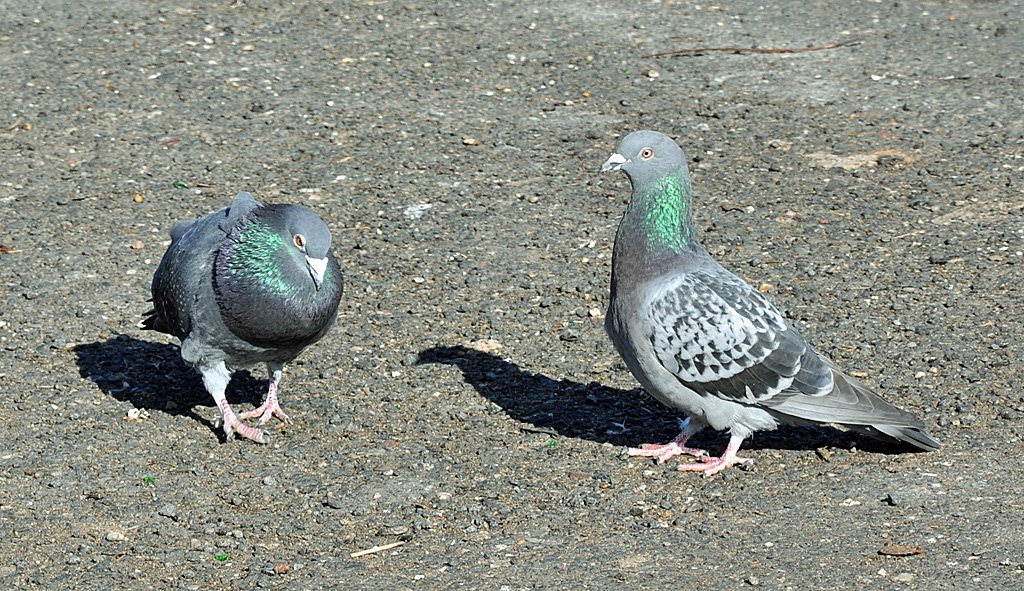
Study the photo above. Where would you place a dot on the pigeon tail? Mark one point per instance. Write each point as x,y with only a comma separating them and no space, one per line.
852,405
151,321
917,438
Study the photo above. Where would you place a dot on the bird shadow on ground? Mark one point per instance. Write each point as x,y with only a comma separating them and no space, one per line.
152,376
603,414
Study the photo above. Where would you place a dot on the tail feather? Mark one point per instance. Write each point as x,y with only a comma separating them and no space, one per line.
151,321
914,436
852,405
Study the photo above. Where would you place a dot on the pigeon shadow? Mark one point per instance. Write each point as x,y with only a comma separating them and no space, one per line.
607,415
153,376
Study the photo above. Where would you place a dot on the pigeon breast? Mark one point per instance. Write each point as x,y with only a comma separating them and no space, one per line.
263,286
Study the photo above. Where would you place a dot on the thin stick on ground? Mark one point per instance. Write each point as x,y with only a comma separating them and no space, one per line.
376,549
742,50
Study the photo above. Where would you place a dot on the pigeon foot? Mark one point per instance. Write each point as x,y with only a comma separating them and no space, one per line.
665,451
710,466
270,407
673,448
232,425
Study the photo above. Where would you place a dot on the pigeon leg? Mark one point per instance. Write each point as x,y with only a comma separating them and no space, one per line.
216,379
664,451
270,406
711,466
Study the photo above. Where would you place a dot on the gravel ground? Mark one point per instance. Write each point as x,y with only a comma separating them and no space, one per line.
468,405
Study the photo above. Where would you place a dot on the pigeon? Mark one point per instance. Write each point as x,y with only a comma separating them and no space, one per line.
244,285
704,342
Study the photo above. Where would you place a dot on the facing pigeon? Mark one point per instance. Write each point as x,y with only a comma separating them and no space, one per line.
702,341
248,284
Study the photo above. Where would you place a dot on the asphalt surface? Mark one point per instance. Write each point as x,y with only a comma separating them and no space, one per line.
468,406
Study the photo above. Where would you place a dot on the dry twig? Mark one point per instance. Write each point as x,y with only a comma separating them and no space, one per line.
376,549
742,50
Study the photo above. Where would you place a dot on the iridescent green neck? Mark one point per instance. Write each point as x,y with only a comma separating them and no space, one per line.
666,215
256,255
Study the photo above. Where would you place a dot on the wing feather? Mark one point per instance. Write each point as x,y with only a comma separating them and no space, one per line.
721,337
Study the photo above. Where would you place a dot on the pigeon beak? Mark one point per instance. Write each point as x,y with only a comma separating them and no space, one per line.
317,267
614,162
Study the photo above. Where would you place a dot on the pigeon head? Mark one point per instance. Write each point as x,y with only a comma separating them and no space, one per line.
283,247
646,156
658,218
307,237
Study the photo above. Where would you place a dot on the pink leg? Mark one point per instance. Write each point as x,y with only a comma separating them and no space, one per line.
711,466
673,448
232,425
270,407
216,378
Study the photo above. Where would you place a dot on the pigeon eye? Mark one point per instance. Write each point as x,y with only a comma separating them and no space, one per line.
646,154
300,241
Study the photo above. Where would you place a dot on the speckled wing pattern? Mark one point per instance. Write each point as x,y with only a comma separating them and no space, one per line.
721,337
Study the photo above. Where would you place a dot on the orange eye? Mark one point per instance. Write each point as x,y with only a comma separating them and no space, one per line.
646,154
300,241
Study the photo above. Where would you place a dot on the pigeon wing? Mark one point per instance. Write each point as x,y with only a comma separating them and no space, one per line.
177,283
722,338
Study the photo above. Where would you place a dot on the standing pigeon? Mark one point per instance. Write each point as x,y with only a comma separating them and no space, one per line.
247,284
702,341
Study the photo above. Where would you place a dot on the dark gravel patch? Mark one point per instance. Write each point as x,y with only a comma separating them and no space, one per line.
468,404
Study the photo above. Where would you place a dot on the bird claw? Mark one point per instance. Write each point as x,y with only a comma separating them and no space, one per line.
270,407
710,466
705,463
666,451
265,411
232,425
